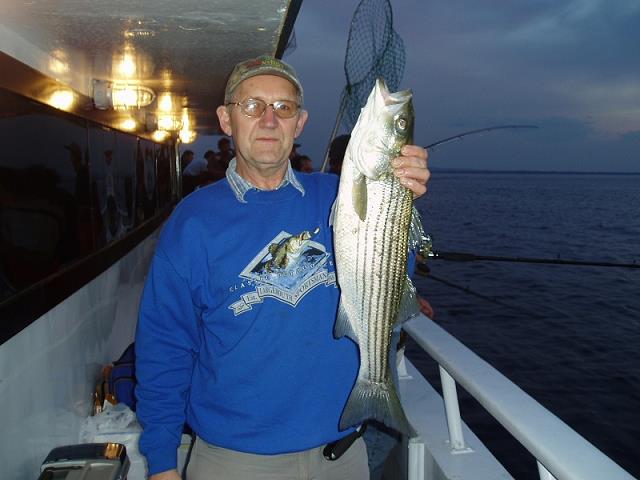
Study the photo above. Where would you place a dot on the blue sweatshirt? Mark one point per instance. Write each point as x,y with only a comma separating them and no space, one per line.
235,333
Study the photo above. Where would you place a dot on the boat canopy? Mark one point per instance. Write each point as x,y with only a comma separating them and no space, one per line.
137,65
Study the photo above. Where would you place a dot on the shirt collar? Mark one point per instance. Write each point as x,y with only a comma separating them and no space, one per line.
241,186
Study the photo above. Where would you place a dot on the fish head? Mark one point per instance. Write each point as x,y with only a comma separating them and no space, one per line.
384,126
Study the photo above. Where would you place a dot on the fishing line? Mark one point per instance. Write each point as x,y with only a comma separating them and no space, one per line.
470,257
423,271
473,132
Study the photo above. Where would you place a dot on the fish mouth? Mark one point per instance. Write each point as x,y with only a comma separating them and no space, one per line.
390,99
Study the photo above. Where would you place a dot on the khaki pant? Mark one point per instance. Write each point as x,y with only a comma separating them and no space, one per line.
209,462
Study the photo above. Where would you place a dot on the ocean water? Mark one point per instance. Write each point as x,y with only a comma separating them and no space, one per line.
569,336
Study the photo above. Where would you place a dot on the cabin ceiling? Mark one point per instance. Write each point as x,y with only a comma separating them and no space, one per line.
185,48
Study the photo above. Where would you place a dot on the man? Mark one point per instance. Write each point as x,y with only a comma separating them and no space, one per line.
225,152
235,335
302,163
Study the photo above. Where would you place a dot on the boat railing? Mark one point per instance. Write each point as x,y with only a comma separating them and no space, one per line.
561,453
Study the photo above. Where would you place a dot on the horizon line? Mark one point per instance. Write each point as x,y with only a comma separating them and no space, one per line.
550,172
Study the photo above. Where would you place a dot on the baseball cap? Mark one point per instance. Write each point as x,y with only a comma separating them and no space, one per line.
262,65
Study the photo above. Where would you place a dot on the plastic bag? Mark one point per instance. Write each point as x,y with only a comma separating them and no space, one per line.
117,424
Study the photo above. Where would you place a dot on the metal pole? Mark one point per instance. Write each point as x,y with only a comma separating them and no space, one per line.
343,104
452,410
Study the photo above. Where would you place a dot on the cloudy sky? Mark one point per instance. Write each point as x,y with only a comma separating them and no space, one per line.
570,67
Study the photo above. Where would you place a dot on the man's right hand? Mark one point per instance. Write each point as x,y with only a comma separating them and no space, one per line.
168,475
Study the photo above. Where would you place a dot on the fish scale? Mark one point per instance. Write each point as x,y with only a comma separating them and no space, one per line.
371,218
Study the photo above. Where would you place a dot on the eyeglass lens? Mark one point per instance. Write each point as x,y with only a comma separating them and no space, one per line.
254,107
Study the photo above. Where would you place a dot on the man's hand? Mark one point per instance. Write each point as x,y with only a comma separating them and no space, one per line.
411,168
168,475
425,307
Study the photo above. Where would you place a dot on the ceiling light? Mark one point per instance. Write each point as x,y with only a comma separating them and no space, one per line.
160,135
165,102
139,33
127,67
187,136
120,95
62,99
125,95
169,122
128,124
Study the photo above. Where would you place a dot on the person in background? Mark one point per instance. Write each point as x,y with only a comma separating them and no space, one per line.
215,167
294,151
302,163
196,167
225,152
185,159
306,165
235,332
194,175
337,150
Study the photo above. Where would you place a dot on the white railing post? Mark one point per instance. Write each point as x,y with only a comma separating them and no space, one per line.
415,467
452,410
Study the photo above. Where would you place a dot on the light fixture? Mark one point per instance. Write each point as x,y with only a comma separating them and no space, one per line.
128,124
160,135
165,102
127,66
186,134
167,117
62,99
169,122
120,95
124,95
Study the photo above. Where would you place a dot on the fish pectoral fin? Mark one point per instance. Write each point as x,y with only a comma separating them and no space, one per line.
343,326
416,230
409,306
359,196
334,212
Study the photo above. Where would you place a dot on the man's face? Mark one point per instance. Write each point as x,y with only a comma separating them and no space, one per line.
265,142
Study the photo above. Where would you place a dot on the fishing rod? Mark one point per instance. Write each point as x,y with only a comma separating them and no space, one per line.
470,257
459,136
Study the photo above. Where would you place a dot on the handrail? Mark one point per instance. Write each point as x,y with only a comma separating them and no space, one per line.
563,452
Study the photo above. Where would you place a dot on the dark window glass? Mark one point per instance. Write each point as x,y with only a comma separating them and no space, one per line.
164,175
67,188
43,192
124,181
102,142
146,181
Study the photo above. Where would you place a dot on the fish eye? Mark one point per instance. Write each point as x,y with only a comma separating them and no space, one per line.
401,123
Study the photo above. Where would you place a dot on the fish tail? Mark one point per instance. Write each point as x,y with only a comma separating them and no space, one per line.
369,400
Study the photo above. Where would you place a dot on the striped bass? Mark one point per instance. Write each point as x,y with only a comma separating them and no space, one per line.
372,221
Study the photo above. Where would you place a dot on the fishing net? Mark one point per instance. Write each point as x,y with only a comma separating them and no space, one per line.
374,49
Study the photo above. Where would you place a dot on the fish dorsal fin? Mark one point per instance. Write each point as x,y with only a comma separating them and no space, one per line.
359,196
343,327
409,307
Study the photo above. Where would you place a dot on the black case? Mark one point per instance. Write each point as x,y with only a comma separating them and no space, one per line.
87,461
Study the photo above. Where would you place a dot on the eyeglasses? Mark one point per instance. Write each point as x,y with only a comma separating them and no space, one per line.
255,108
